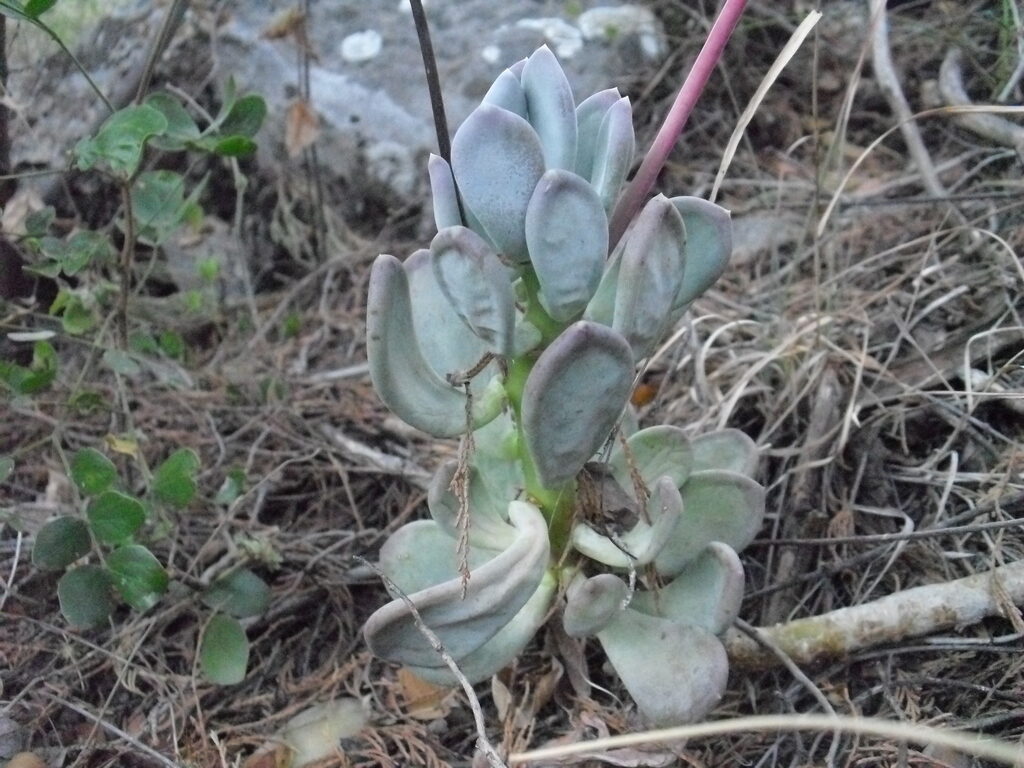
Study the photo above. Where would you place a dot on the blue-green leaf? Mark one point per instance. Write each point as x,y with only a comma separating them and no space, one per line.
241,593
477,285
551,109
708,246
567,236
497,160
573,397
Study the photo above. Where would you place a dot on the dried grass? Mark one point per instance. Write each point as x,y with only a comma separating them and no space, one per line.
844,354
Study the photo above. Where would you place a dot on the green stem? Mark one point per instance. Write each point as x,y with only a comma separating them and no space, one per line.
556,504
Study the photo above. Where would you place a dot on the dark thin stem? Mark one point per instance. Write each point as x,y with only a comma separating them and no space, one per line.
172,20
127,257
7,183
444,146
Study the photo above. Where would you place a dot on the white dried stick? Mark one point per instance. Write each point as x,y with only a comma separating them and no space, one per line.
910,613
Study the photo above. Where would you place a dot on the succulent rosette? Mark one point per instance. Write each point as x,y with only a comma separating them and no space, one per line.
519,325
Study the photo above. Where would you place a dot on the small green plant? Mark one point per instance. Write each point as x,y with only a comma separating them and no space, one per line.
105,561
103,553
521,329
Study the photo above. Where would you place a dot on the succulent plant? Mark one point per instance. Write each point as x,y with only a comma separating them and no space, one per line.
518,329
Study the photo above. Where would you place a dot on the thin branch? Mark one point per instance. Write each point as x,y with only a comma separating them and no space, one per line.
910,613
172,21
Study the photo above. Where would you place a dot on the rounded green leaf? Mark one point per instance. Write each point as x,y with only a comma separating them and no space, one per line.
240,593
174,481
245,116
114,516
401,374
464,621
591,604
550,106
650,275
476,284
60,542
224,651
138,576
573,397
718,505
675,673
708,246
443,193
120,140
85,596
567,236
92,472
497,160
589,116
613,154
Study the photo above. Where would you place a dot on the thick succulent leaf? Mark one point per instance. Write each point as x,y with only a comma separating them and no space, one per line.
589,115
489,495
675,673
654,452
718,505
501,649
477,284
725,449
400,373
650,275
567,236
422,554
708,246
591,604
497,160
448,345
573,397
507,92
551,109
517,68
707,593
495,593
613,153
527,337
642,543
445,196
601,307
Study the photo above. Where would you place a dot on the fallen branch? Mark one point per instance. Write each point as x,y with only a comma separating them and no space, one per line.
910,613
951,86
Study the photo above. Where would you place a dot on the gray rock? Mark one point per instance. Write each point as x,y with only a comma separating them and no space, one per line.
368,86
367,82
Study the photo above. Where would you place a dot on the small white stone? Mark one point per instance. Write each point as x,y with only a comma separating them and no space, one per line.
566,39
606,22
404,6
491,54
361,46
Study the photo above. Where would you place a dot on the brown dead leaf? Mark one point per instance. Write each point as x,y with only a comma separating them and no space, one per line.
423,700
301,129
286,23
26,760
269,756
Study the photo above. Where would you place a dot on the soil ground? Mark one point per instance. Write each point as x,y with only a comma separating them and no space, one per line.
868,335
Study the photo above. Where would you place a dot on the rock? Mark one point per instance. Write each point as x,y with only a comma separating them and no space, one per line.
367,82
366,77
